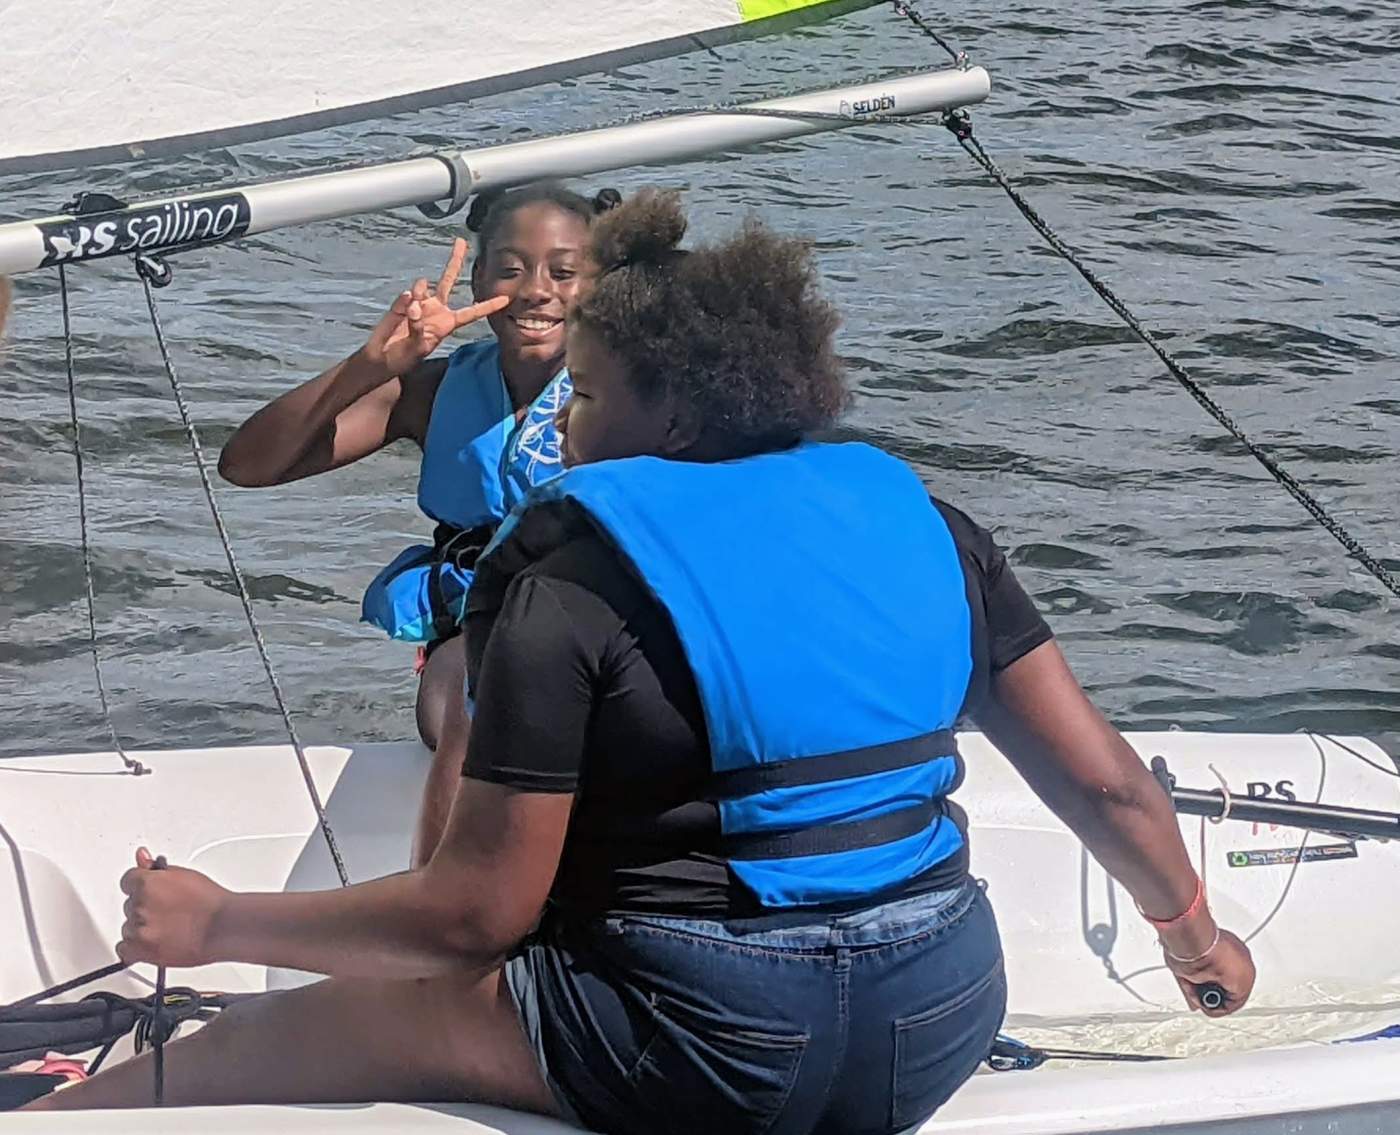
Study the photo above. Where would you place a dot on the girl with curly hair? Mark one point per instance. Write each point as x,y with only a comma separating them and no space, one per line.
703,872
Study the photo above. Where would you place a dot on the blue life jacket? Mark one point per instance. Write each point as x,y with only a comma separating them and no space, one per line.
822,607
478,463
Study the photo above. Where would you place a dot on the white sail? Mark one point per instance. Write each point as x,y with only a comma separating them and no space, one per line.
83,82
148,77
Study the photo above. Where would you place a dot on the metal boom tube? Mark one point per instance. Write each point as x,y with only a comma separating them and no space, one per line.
215,216
1353,823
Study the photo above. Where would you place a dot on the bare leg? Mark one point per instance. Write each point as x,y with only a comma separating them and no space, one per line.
439,688
445,774
443,1039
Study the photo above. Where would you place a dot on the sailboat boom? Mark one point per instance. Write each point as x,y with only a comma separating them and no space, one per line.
215,216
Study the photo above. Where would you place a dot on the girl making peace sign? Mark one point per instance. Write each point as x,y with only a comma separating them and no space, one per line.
483,416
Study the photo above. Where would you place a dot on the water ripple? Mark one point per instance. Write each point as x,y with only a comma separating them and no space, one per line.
1230,166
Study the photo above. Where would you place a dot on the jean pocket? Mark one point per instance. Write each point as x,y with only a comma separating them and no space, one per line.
699,1073
936,1050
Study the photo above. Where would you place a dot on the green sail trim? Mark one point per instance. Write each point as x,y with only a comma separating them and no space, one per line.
762,9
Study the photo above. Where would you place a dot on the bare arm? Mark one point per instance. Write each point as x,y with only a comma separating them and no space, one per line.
381,393
480,892
478,896
445,773
1090,777
347,412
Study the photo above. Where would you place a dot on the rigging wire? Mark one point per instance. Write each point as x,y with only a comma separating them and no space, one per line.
960,123
133,766
153,273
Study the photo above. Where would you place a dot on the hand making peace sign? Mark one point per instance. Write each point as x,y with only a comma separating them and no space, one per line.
420,319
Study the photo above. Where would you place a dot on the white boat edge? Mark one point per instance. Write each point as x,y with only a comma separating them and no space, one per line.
1323,1090
1316,1086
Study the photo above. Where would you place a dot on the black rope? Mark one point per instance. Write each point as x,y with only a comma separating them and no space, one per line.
150,273
95,1064
1008,1055
924,26
157,1026
1362,757
961,127
62,987
135,767
960,124
101,1019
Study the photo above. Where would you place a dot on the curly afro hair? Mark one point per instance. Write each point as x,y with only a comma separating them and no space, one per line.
737,329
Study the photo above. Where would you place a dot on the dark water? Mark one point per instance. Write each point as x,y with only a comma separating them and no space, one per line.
1233,168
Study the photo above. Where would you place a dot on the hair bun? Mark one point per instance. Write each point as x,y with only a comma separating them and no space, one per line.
606,200
644,229
481,206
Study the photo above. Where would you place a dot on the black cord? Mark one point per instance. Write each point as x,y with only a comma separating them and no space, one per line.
157,1018
924,26
1362,757
962,129
1008,1055
150,274
62,987
960,124
133,766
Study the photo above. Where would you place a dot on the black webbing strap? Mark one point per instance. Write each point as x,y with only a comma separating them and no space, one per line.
460,547
736,783
831,838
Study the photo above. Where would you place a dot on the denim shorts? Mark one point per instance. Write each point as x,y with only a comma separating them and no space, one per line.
858,1023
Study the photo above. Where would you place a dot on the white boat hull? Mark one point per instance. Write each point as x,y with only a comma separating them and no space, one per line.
1083,968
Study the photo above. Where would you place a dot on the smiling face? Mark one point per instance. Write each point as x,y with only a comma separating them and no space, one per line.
534,258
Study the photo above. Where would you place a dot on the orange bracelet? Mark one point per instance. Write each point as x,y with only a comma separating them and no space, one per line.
1195,908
